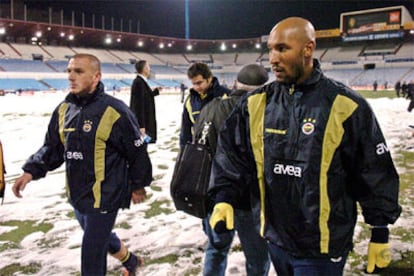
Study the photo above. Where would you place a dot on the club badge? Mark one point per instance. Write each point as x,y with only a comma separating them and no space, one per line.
87,126
308,126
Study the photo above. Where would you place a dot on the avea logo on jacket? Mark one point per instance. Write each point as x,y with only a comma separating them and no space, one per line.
289,170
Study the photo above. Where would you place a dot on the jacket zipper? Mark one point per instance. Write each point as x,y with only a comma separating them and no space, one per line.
295,122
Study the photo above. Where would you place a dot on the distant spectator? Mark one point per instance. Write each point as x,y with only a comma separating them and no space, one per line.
385,85
183,87
234,85
224,84
142,101
375,86
397,88
404,90
410,95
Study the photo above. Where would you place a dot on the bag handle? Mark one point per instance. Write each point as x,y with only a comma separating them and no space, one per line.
204,133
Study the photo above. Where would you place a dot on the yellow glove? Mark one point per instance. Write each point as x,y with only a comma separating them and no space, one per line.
378,256
222,214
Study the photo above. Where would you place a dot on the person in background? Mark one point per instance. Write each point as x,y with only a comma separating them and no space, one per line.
410,95
397,88
107,163
308,149
183,87
404,89
375,86
205,88
250,77
142,101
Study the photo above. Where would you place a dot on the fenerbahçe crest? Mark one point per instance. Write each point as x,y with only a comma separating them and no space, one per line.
308,126
87,126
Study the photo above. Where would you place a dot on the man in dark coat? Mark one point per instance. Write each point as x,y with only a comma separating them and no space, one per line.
142,102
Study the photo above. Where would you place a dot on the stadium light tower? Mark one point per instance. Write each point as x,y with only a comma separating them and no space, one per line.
187,20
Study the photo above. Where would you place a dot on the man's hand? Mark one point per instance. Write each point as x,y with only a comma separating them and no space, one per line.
138,195
379,256
20,183
222,218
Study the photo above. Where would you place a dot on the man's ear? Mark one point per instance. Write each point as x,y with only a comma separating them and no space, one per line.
308,49
97,77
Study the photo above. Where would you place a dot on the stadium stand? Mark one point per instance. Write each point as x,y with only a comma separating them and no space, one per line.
19,65
17,84
58,52
7,51
393,61
40,65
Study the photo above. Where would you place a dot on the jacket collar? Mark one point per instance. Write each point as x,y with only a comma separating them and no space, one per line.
312,80
81,101
212,92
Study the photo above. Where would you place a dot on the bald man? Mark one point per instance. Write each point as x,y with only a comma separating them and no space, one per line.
308,149
107,163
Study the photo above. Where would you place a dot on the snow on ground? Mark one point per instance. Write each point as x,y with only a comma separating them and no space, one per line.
23,122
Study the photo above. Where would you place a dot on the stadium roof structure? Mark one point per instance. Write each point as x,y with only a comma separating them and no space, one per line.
15,28
20,31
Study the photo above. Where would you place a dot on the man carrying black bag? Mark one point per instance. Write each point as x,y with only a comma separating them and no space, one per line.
206,129
192,170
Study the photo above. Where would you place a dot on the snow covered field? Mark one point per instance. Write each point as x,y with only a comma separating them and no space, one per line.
171,242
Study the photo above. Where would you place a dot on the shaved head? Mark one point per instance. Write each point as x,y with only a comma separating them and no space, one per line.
291,44
298,27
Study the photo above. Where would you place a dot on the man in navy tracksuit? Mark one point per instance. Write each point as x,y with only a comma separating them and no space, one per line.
107,163
205,88
308,149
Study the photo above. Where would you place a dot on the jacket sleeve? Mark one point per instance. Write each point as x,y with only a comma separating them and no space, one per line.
233,164
135,150
377,184
156,92
137,104
51,155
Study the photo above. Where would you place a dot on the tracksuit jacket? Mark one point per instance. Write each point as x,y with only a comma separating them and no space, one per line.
99,140
193,105
215,113
308,153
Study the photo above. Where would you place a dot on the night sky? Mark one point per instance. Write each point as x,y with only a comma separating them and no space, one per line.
212,19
